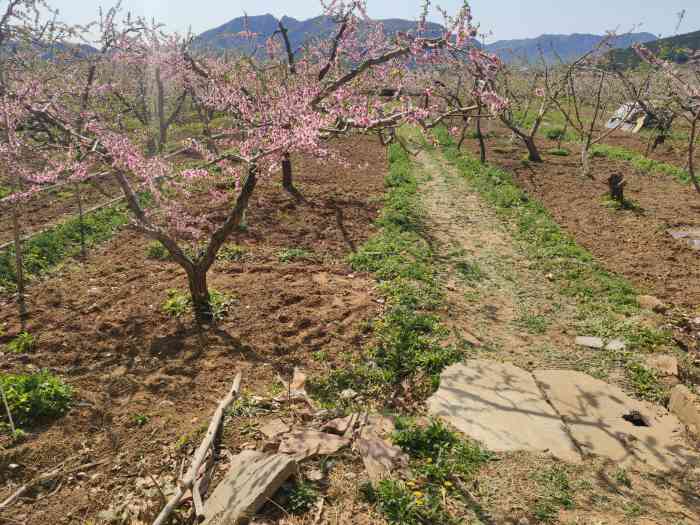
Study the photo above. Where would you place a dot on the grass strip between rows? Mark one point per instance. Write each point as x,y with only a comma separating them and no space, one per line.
47,250
606,303
640,162
408,338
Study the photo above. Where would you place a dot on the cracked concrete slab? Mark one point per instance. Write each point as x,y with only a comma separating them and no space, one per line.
603,420
501,406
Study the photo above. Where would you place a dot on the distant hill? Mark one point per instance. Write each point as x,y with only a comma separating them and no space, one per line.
226,37
568,47
670,48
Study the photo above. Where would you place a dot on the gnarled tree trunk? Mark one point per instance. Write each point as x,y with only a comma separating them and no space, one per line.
287,179
201,304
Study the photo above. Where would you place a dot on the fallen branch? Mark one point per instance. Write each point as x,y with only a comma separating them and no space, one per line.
188,481
56,471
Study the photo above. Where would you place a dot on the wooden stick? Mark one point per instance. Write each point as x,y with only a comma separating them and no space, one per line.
188,481
48,475
19,266
7,408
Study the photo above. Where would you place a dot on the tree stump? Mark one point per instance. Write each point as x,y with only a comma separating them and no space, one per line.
617,185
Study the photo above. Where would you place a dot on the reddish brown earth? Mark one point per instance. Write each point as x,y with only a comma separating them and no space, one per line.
633,243
100,326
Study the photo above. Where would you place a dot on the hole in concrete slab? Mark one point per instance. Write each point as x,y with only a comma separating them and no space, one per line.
636,418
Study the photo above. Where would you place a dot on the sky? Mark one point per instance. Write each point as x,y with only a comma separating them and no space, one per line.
504,19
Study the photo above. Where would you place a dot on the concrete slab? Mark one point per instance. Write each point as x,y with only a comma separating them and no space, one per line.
501,406
594,413
253,478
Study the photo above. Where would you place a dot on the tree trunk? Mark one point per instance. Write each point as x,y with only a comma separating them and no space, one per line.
160,110
616,183
480,137
287,179
585,169
691,152
200,295
533,154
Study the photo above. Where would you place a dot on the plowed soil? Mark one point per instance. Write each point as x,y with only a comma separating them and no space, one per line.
101,327
632,242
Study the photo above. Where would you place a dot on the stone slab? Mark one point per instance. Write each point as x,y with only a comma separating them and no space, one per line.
274,428
590,342
598,343
501,406
686,406
304,444
253,478
380,457
593,411
665,365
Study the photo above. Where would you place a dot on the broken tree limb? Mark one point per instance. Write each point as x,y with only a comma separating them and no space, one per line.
187,482
53,473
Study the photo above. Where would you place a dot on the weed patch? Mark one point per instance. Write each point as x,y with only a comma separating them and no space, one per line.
46,250
22,344
409,340
294,254
33,398
440,462
179,303
556,494
640,162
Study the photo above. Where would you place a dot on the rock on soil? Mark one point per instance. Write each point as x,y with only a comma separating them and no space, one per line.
253,478
501,406
604,421
274,428
664,365
649,302
598,343
305,444
686,406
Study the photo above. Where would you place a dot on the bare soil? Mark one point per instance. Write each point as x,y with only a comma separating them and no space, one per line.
100,326
635,242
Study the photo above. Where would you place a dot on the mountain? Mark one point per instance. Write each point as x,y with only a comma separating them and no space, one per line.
227,36
672,48
568,47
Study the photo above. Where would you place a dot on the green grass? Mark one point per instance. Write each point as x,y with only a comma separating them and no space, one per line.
156,250
408,339
532,323
46,250
439,458
640,162
606,303
232,253
4,191
34,398
301,497
559,152
23,343
556,494
179,303
294,254
555,133
469,271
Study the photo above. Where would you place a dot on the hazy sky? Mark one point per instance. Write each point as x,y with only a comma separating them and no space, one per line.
506,19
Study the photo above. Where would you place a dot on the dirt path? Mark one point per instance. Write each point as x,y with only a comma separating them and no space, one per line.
492,294
499,302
